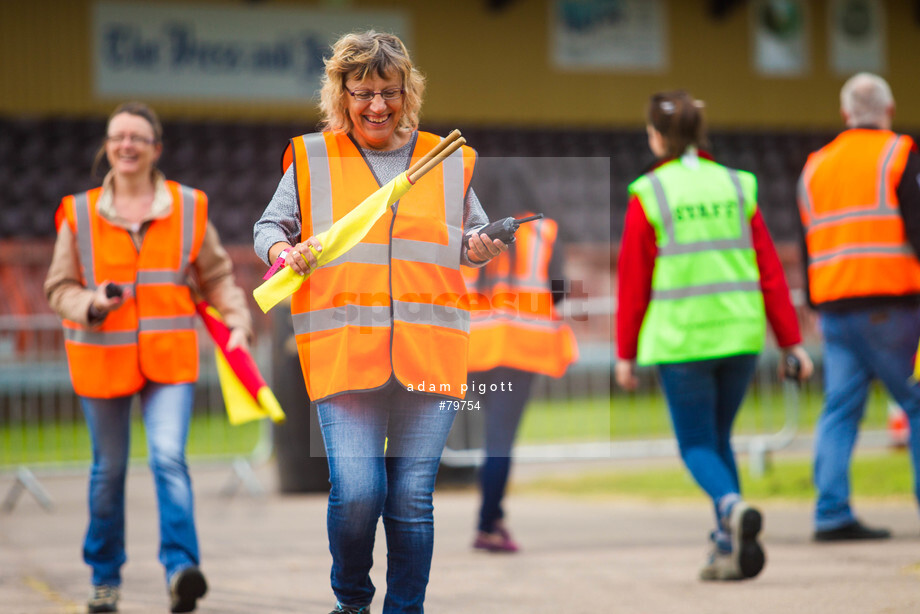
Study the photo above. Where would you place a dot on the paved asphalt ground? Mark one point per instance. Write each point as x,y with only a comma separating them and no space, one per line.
598,555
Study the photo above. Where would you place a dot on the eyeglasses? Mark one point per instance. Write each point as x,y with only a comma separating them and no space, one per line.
391,93
135,139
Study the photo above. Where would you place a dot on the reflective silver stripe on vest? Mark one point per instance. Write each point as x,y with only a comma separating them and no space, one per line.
365,253
85,239
379,315
340,317
742,215
166,323
883,174
516,319
864,250
188,224
153,277
705,290
539,244
97,337
320,181
873,213
804,196
431,252
673,248
433,315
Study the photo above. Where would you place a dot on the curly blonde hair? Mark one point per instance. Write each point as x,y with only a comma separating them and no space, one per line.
358,55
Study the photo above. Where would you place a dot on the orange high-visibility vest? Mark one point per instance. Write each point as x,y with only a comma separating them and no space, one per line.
152,335
848,203
513,320
395,304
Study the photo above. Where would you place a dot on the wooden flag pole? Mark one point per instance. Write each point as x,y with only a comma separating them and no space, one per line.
415,175
440,147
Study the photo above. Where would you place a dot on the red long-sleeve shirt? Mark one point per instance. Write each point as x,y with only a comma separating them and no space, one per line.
638,251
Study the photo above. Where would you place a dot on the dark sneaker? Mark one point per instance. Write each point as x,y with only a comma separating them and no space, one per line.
851,532
186,587
103,599
498,541
341,609
745,523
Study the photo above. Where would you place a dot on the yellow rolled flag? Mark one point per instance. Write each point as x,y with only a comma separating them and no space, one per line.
246,395
338,239
917,364
241,407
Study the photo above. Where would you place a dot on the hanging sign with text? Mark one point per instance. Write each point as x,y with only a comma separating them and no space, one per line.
208,52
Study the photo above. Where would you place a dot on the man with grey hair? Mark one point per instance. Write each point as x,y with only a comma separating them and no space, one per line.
859,202
866,100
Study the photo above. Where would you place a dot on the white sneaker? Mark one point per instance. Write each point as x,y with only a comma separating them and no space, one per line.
103,599
719,566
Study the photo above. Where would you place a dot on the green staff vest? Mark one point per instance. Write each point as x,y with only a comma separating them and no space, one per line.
706,300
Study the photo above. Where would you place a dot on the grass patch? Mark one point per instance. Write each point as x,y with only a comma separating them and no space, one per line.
68,441
645,415
884,474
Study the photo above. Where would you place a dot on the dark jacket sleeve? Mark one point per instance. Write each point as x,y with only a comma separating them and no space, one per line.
803,248
908,192
556,273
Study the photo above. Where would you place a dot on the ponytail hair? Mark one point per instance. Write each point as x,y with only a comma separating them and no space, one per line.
679,118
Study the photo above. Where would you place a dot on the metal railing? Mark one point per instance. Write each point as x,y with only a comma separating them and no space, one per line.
631,425
42,430
579,416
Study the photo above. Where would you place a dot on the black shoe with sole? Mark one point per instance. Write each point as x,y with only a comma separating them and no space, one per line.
851,532
745,524
186,587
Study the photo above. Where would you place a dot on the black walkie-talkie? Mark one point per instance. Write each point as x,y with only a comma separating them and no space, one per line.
504,229
113,290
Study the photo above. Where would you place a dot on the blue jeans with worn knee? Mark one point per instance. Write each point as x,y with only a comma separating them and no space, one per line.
703,398
384,448
167,411
860,346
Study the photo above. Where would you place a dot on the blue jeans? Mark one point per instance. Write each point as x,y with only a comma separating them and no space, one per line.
703,398
368,482
860,346
167,411
502,411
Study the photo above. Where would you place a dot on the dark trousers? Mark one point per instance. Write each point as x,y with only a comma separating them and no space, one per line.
502,410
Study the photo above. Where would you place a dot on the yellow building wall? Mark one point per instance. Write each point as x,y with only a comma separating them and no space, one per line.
493,67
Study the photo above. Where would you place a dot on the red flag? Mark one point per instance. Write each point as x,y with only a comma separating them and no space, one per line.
246,395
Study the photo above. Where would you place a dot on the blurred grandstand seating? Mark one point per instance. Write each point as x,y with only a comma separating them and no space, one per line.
238,165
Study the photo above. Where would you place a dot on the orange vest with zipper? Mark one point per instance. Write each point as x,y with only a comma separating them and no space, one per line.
395,304
514,322
152,335
857,245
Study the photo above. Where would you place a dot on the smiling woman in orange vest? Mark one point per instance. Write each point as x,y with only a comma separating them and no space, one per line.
119,279
387,316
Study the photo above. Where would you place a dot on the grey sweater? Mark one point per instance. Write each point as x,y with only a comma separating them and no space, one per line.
281,219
